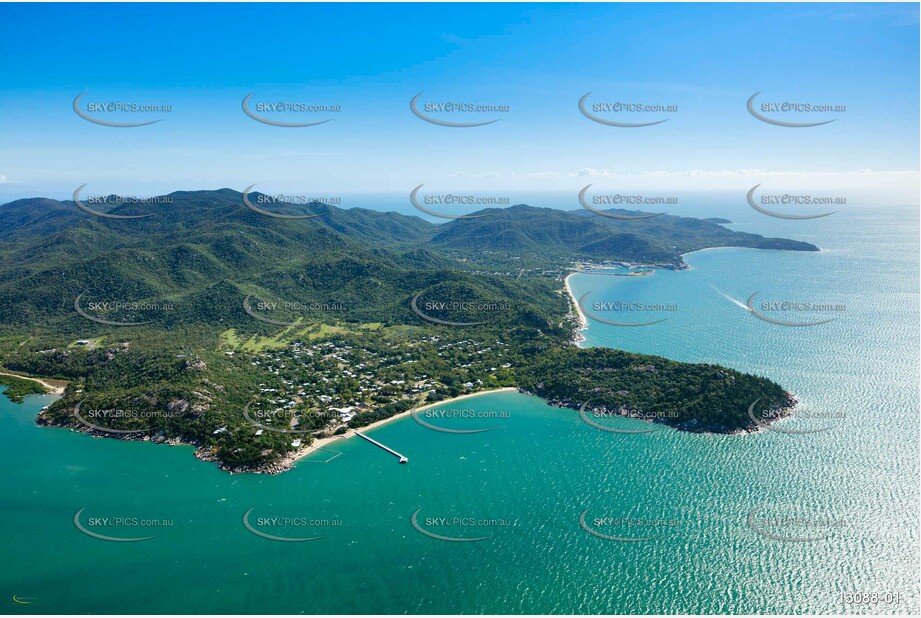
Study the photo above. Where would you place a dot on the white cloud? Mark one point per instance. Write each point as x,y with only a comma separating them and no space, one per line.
889,185
588,171
480,175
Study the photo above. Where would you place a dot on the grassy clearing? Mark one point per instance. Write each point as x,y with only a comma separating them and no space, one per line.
91,345
232,340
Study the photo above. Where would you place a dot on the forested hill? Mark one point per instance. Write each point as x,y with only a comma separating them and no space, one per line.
184,215
204,250
582,234
185,317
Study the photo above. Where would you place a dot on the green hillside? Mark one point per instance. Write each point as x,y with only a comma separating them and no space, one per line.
170,327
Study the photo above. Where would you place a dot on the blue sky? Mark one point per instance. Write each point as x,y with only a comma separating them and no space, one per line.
538,59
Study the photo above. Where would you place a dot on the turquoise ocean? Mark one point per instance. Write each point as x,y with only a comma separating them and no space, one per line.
769,522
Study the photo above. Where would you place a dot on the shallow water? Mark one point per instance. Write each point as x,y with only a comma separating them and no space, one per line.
852,489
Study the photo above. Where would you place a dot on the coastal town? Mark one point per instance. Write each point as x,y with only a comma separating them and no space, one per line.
323,388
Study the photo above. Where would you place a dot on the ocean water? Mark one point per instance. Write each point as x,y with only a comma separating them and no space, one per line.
778,522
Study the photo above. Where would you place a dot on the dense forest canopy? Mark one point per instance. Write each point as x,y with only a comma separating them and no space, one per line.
175,326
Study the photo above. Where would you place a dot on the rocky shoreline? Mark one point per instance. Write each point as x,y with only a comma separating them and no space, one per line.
579,323
692,426
202,453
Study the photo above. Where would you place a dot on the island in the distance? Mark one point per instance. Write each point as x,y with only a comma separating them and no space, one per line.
256,338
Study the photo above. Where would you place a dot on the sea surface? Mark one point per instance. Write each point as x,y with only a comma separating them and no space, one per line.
770,522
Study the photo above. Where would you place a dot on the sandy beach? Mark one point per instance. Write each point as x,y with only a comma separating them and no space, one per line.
55,387
319,443
713,249
583,322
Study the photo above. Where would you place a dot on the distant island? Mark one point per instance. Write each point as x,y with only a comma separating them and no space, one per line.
255,338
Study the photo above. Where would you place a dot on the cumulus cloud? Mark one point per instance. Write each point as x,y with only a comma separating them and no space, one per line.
730,173
481,174
897,185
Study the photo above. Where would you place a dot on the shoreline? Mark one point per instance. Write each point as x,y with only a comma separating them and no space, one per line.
52,388
716,248
287,462
577,335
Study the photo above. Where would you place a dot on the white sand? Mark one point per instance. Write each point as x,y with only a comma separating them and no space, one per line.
319,443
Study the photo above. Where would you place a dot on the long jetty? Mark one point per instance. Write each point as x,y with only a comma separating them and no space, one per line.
403,458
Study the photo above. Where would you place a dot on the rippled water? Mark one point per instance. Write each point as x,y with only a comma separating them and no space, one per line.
713,510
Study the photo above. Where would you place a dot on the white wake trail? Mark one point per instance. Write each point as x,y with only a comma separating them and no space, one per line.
730,298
